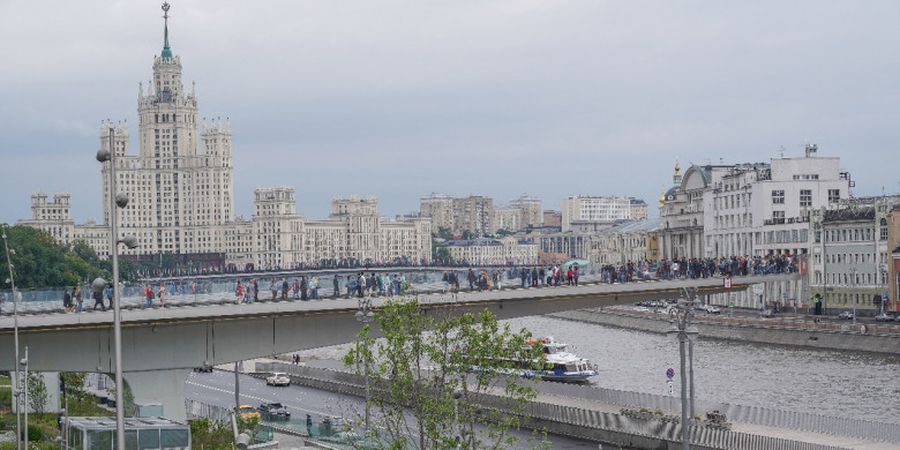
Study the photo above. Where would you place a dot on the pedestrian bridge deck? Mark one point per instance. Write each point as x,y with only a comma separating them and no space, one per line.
590,293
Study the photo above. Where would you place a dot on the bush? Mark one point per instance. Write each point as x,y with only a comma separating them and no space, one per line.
34,433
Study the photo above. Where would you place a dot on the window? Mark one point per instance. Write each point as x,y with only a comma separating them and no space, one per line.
778,197
884,229
805,197
777,217
834,195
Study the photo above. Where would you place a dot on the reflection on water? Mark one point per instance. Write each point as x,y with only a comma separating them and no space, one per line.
844,384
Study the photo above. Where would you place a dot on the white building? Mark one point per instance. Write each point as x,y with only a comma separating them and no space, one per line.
484,251
179,184
593,209
763,208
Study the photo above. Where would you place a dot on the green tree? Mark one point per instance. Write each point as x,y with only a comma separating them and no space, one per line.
37,393
211,435
40,262
444,233
421,362
440,253
466,234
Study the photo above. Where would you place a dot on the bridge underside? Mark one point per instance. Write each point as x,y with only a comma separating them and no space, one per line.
189,337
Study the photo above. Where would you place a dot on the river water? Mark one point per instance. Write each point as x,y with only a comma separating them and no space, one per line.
843,384
833,383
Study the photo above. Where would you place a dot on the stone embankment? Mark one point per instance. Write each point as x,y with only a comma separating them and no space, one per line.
581,418
790,330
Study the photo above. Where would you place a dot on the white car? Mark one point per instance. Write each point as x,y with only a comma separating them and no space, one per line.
278,379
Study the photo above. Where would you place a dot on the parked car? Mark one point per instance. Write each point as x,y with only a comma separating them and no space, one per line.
897,318
274,411
884,317
710,309
767,313
204,369
278,379
248,412
846,315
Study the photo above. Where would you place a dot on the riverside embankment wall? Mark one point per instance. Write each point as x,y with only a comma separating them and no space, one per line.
615,429
811,336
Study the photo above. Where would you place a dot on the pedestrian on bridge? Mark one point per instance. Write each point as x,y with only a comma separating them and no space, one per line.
79,299
238,292
274,288
336,286
67,301
148,295
98,300
161,293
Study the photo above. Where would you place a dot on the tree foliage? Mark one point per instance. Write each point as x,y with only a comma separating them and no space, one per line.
421,362
211,435
37,393
39,261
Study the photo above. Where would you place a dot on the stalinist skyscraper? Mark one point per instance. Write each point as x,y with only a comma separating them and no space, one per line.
180,183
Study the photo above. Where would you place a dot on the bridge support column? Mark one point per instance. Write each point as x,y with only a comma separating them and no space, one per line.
165,387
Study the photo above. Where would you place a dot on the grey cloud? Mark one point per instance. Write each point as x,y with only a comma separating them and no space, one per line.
401,98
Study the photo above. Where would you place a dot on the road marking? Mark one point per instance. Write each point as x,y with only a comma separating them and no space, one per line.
253,397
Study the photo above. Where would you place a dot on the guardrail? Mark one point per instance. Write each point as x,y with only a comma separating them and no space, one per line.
352,384
757,415
777,323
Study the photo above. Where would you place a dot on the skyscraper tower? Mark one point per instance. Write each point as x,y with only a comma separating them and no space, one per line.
181,194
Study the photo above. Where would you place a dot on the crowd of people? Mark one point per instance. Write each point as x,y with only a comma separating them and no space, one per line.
361,284
306,288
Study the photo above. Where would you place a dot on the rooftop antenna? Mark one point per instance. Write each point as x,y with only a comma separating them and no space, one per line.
781,151
167,52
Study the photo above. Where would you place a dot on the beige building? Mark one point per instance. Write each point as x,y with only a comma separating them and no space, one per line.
485,251
179,184
634,242
277,237
52,215
439,208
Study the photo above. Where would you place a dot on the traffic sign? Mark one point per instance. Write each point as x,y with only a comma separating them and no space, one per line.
671,387
727,282
670,373
884,296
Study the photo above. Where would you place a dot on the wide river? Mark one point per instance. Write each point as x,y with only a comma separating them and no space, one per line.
835,383
842,384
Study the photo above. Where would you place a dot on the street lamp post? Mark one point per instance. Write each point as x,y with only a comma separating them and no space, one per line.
682,316
15,299
107,155
364,315
25,394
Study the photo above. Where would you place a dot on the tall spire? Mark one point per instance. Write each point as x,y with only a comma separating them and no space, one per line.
166,52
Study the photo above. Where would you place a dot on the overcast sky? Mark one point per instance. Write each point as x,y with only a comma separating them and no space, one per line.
397,99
